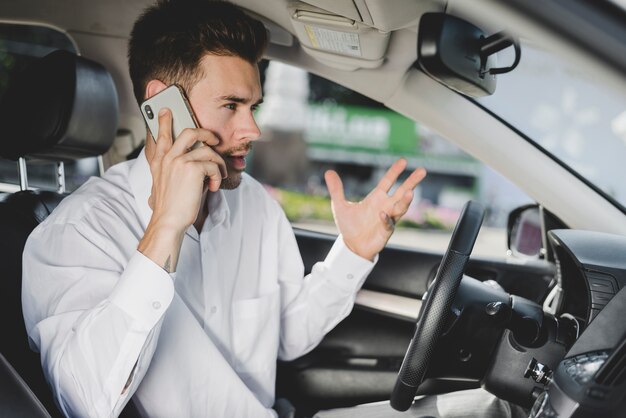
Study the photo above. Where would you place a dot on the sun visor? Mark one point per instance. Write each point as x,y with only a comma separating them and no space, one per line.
338,41
385,15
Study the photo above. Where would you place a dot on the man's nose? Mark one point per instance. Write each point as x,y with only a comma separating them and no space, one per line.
249,129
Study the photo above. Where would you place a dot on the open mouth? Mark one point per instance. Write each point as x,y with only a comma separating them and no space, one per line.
237,162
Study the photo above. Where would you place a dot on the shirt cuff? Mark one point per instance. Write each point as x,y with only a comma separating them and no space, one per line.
346,269
144,291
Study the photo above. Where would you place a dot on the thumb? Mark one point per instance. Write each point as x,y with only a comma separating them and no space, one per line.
334,185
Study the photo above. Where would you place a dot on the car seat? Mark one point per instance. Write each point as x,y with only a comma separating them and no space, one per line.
61,108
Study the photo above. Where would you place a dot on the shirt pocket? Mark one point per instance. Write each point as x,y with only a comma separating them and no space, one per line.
256,327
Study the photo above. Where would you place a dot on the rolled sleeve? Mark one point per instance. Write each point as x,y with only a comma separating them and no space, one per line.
144,291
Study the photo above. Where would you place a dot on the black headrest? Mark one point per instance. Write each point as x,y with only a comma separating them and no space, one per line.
62,107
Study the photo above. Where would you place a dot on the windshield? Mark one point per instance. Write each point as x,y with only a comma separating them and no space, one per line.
580,122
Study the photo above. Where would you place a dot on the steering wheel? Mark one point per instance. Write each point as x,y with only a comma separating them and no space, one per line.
436,307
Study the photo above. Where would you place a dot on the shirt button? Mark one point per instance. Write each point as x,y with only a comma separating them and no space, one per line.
156,304
350,277
213,309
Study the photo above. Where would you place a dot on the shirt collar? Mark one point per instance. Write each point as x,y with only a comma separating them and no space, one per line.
140,180
219,211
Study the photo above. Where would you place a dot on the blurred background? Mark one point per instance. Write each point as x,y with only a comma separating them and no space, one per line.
310,124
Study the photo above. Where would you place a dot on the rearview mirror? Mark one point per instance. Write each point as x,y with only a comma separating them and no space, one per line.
460,55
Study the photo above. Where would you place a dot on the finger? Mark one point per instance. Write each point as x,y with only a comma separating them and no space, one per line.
402,205
388,222
207,154
211,175
164,137
390,177
410,183
189,136
334,185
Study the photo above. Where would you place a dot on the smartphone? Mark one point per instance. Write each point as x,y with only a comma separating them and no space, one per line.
173,98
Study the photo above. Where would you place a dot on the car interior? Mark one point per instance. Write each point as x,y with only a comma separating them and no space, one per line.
66,89
542,327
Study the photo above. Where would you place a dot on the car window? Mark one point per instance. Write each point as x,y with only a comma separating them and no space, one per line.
21,44
568,114
310,124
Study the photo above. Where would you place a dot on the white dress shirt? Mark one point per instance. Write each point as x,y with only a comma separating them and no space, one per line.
202,342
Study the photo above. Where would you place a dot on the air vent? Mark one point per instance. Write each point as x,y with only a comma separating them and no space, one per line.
613,372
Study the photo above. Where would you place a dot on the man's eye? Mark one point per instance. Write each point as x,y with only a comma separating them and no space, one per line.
255,108
231,106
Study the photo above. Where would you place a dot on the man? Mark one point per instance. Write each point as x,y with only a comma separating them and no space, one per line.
175,278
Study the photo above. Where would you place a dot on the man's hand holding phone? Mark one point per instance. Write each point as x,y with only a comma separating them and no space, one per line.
178,173
178,184
177,165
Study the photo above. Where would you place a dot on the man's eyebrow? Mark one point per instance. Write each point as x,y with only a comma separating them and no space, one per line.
237,99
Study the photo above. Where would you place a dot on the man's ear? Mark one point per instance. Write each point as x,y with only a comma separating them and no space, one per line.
153,87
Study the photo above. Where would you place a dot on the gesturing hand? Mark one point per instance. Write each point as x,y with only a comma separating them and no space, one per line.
366,226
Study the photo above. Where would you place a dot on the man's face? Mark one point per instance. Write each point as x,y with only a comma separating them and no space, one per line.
224,101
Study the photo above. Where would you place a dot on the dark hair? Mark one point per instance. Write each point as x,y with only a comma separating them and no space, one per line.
171,37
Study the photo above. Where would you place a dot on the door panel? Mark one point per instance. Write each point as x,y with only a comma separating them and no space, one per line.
394,306
398,271
358,361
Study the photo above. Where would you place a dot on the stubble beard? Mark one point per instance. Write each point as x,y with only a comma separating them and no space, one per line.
232,181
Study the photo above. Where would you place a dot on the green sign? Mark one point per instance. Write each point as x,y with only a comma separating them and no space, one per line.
359,128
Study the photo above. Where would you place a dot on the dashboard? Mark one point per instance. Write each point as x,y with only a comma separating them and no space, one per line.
591,380
590,269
